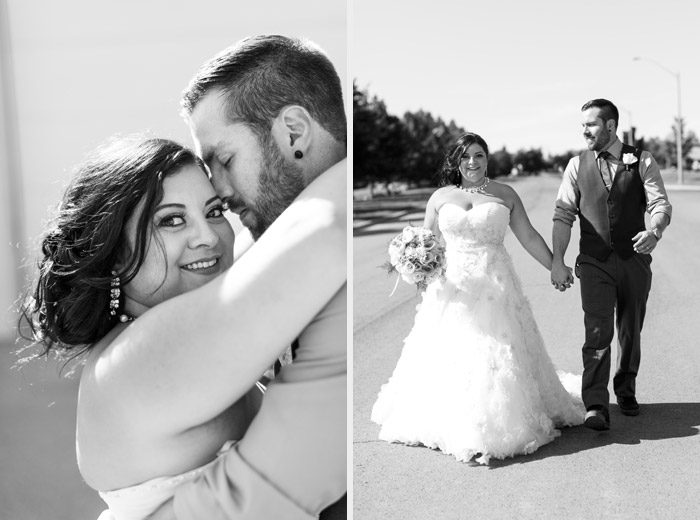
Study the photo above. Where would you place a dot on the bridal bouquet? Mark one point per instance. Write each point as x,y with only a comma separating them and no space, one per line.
417,256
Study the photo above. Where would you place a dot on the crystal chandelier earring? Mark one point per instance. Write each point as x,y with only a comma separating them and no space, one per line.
114,293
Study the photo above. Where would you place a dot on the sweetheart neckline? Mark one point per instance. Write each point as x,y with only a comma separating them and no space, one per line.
474,206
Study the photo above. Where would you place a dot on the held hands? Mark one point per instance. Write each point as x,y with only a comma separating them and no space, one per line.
562,277
644,242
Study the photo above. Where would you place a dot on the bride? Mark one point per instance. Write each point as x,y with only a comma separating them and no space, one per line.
136,276
474,379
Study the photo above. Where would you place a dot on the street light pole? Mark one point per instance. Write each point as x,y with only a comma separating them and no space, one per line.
679,142
679,133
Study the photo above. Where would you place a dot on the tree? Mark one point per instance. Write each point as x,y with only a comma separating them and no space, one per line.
661,149
532,160
500,163
423,149
560,161
427,141
379,142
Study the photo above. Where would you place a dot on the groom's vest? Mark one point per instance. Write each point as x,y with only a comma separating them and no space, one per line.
609,220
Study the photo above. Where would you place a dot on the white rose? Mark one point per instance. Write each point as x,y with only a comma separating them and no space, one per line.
628,159
408,234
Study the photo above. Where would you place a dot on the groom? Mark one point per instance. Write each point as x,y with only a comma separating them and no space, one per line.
267,117
610,187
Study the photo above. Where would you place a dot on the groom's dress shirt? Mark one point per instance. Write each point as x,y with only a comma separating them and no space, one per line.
569,196
288,454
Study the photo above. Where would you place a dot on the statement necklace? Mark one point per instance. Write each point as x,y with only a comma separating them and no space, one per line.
475,189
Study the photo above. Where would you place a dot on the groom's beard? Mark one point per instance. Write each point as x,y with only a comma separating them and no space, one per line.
279,183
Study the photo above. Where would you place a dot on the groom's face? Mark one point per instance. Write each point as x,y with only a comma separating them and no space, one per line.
595,131
248,171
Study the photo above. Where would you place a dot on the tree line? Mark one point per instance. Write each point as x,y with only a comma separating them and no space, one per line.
410,149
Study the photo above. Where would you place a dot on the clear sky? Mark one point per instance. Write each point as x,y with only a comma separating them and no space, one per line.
517,72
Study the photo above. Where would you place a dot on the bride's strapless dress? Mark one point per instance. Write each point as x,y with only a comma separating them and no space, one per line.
474,378
140,501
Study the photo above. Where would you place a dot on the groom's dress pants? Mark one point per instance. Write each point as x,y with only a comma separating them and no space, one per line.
605,286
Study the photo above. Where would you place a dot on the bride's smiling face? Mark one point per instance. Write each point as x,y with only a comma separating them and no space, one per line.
473,163
191,242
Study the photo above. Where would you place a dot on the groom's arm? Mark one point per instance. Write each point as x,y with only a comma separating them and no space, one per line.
298,440
292,461
565,211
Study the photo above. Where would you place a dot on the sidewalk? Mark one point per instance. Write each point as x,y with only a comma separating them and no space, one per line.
691,180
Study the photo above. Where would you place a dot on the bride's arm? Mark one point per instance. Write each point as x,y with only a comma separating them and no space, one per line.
188,359
244,241
430,219
526,234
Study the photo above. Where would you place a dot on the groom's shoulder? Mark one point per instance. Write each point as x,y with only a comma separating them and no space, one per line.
575,160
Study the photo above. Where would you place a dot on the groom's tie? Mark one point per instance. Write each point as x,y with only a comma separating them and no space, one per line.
603,158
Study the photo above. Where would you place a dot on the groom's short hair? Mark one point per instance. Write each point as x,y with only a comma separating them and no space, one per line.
608,110
261,75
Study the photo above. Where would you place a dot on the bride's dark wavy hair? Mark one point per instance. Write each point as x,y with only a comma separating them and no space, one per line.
68,304
448,174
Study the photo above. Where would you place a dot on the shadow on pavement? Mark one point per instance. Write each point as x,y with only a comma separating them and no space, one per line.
659,421
656,422
396,216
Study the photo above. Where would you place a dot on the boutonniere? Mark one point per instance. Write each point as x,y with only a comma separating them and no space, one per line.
628,159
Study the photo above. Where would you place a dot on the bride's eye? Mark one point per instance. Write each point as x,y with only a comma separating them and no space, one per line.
217,212
171,221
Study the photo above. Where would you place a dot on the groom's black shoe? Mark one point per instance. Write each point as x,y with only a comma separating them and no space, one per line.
628,405
597,419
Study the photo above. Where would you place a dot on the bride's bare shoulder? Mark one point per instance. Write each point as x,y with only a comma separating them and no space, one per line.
440,195
504,191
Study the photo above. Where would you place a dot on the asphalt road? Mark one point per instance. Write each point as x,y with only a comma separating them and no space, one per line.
646,467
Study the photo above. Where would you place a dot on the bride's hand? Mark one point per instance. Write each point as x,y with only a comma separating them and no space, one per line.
562,277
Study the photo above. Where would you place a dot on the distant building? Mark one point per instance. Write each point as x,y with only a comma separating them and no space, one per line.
694,156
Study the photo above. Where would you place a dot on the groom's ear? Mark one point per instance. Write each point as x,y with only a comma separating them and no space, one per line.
292,130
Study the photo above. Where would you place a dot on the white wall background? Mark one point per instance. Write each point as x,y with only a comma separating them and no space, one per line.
82,71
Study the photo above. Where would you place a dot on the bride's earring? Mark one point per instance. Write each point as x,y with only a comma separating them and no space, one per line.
114,293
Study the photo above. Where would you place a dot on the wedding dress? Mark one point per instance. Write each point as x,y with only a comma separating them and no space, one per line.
474,379
139,501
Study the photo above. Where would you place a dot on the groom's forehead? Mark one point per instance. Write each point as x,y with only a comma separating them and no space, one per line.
207,126
208,116
213,144
591,114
